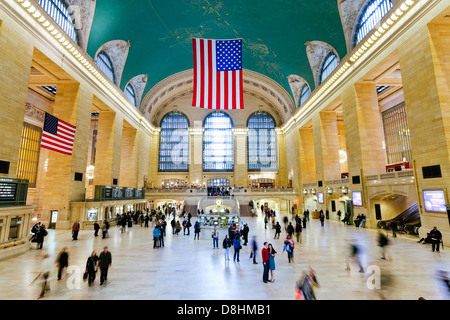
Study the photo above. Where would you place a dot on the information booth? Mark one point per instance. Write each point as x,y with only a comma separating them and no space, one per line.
219,217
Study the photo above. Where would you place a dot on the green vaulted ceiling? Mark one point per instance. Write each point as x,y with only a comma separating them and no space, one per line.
274,33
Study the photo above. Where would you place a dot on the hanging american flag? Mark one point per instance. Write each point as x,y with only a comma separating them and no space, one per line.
218,80
57,135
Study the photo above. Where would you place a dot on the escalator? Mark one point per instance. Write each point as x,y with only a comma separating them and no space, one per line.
411,220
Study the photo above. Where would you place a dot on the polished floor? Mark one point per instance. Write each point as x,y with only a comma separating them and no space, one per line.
188,269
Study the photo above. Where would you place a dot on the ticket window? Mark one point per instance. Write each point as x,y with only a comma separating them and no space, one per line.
92,214
14,228
2,223
53,219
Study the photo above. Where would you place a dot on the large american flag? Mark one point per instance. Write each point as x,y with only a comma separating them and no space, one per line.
58,135
218,80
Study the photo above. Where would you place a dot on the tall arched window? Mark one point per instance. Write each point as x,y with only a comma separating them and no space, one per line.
218,143
330,62
262,151
304,94
372,13
105,63
130,93
59,12
174,143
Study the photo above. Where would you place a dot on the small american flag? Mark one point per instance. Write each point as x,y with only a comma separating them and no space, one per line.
58,135
218,80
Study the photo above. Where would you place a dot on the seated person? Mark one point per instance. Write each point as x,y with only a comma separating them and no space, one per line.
425,240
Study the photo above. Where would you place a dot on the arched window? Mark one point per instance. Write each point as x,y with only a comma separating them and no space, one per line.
174,143
330,62
130,93
218,143
58,11
304,94
372,13
105,63
262,151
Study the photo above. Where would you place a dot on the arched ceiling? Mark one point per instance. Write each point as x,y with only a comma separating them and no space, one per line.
274,33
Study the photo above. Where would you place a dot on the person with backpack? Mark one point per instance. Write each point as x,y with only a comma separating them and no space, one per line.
215,237
289,248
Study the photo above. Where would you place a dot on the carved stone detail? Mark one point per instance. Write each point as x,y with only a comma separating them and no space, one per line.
139,83
296,83
180,84
349,11
118,51
316,51
34,112
83,12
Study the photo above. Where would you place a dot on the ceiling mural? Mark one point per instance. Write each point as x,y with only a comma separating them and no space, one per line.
274,33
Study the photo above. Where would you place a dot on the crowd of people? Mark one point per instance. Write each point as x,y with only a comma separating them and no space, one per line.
234,238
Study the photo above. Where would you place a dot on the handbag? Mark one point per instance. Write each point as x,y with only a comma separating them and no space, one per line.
85,276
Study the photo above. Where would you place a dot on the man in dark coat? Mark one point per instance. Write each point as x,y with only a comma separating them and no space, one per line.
104,262
244,233
62,261
436,238
96,228
41,233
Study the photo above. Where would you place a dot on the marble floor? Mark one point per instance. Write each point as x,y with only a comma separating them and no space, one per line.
188,269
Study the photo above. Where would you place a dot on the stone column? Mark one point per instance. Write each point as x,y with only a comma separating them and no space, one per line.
196,155
109,144
425,67
326,147
73,104
15,66
128,157
363,130
307,156
240,158
143,158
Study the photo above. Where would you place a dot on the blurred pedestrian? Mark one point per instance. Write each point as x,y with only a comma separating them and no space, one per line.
62,261
46,269
277,230
104,263
91,268
322,218
306,285
254,246
354,256
298,231
383,241
96,228
290,229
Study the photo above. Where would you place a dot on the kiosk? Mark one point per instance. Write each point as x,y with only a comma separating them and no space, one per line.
219,217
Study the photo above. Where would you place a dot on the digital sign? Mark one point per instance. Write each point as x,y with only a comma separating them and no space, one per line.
320,197
357,198
435,201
